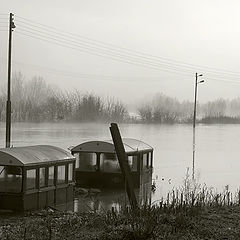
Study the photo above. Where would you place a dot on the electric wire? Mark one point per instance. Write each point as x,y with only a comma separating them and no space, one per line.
95,48
138,56
125,60
104,47
145,62
53,37
105,77
110,51
84,75
115,58
43,26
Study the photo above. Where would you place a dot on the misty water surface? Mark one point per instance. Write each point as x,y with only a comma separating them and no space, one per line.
217,148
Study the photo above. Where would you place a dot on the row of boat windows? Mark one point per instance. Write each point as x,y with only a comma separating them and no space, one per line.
108,162
11,177
48,174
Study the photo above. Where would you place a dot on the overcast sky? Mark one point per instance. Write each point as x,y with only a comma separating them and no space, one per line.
127,48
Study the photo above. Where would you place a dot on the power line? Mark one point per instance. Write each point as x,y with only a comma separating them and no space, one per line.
90,76
141,64
85,44
105,77
98,48
57,32
96,42
83,74
115,58
64,41
53,37
222,80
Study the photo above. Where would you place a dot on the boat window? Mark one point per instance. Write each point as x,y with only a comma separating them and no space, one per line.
42,177
145,160
87,161
76,155
61,174
51,176
132,161
10,179
109,162
150,158
31,178
70,172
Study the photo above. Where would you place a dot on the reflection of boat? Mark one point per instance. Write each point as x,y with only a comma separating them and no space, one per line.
110,199
97,164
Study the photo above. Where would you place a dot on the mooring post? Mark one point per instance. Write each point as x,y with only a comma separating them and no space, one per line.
123,162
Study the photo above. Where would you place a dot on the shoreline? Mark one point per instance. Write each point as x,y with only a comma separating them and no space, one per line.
212,222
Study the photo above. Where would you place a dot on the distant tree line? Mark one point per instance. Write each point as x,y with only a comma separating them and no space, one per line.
221,111
36,101
164,109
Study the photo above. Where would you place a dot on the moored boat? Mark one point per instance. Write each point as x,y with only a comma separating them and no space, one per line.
97,165
35,177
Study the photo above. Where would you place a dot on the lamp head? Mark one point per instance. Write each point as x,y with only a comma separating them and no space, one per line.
13,25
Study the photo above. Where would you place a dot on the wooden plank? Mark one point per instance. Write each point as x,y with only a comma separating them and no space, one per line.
123,162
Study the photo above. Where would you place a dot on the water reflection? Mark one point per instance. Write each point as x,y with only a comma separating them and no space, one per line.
217,148
107,199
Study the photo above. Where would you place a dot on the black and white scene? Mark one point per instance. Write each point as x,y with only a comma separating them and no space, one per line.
119,119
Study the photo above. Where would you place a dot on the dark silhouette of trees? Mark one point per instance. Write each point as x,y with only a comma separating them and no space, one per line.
115,110
164,109
36,101
145,113
215,108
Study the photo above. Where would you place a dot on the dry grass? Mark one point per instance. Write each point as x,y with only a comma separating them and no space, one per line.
191,212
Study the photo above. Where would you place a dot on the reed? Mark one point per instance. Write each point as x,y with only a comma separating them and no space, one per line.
180,213
193,195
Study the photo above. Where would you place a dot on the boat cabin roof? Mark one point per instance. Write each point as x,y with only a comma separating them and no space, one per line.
33,155
130,145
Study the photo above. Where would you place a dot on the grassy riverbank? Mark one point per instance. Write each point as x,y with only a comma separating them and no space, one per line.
186,222
193,211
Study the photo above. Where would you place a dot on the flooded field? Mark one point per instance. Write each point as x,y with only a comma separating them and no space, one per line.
217,150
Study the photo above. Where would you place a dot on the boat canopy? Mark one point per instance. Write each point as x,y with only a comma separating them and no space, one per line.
32,155
130,145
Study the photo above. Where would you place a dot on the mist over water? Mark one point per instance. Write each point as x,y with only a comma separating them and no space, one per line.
217,150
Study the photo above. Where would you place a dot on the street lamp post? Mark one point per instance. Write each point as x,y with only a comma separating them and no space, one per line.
194,121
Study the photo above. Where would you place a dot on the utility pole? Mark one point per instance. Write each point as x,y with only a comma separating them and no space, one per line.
194,125
194,121
8,105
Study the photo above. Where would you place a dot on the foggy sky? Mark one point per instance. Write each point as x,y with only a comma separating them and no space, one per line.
197,32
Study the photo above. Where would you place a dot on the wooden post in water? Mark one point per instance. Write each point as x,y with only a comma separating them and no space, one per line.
123,162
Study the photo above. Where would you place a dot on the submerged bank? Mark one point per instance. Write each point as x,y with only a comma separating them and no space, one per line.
212,222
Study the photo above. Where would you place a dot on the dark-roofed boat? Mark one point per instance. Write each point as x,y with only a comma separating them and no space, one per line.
97,164
35,177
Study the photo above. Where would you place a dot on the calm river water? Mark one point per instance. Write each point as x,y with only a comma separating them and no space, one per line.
217,148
